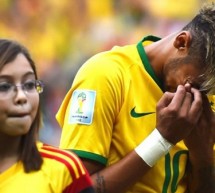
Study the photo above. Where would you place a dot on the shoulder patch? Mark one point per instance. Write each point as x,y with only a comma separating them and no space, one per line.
82,107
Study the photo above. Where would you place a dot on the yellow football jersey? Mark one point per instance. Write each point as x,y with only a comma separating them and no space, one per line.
61,171
110,109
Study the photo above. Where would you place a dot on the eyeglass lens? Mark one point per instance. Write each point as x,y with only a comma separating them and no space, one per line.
30,86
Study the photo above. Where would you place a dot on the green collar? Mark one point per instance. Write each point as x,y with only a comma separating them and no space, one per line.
145,60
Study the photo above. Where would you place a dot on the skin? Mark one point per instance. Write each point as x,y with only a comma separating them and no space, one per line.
200,143
16,112
183,105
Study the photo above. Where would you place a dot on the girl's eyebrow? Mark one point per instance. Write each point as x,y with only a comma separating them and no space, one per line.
26,74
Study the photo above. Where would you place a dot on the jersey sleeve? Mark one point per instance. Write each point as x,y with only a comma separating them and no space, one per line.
65,170
97,95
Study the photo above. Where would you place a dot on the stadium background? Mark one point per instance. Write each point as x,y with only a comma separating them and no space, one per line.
61,35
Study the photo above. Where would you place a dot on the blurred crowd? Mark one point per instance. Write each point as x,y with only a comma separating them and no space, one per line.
61,35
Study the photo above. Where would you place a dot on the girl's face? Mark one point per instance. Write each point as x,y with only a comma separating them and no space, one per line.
18,107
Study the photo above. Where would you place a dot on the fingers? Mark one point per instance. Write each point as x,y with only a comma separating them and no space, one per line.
178,98
187,102
165,100
178,113
179,101
188,87
173,99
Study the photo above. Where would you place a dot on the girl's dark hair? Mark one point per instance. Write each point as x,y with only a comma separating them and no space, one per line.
29,153
202,48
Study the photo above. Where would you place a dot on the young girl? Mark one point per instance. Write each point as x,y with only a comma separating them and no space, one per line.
28,166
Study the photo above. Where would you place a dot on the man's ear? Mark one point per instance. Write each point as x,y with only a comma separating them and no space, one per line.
182,40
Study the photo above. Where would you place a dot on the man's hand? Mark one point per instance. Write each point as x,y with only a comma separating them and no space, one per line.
178,113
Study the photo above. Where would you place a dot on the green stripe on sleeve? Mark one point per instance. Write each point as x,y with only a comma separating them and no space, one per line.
91,156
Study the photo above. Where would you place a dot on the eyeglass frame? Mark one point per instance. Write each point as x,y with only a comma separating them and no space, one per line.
14,87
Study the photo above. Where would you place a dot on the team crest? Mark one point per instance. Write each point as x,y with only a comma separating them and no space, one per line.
82,107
